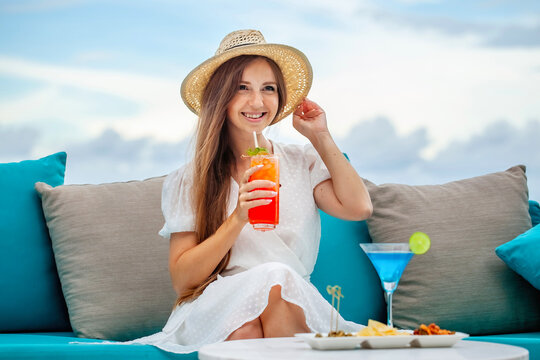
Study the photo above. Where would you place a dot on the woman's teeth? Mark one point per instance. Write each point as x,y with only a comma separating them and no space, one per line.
254,116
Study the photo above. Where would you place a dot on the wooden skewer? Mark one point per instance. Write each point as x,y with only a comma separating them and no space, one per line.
335,291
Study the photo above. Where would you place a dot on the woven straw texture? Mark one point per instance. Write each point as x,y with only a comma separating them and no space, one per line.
294,65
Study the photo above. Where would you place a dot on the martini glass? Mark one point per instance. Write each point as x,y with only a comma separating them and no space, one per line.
389,260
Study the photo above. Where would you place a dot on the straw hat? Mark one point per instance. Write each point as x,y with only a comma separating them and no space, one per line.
293,63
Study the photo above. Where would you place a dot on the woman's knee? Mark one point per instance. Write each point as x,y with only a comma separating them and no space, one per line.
282,318
275,294
250,330
279,307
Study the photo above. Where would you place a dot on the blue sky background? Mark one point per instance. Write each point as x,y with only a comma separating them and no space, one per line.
415,92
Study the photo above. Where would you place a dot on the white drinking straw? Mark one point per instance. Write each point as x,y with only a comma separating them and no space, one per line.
255,139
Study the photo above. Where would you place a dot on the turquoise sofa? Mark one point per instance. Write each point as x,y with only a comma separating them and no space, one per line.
340,262
336,265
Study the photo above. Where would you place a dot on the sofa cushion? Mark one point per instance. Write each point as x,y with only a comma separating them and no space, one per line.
112,263
341,262
31,297
529,341
63,345
459,283
522,255
534,211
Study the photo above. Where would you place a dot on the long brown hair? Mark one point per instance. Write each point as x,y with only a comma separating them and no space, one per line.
214,159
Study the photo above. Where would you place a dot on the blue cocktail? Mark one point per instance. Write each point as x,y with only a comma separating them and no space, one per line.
389,260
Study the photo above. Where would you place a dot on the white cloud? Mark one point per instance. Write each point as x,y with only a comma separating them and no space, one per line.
16,143
435,87
160,111
377,151
499,145
442,79
452,87
517,30
110,157
381,155
376,146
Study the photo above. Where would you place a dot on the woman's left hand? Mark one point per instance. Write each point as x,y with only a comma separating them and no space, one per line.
309,119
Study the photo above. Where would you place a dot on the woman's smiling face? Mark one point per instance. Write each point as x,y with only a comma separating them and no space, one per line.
256,101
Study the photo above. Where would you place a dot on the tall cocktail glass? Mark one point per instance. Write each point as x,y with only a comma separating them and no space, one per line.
389,260
266,217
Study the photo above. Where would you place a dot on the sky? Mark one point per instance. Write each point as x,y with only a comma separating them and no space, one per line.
415,91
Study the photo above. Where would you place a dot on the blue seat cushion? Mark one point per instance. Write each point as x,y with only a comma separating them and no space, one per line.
534,211
522,255
31,296
59,345
529,341
342,262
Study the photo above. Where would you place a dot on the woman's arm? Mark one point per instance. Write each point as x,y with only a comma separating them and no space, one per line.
190,264
344,195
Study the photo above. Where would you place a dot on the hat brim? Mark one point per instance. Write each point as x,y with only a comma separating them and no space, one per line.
294,65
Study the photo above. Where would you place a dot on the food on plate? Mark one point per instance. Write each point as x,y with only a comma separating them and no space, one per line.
335,291
376,328
432,329
339,333
373,328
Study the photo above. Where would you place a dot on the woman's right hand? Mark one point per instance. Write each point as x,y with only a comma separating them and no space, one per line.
248,197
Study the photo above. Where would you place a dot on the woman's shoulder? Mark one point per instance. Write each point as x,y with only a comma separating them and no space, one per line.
291,149
180,175
297,152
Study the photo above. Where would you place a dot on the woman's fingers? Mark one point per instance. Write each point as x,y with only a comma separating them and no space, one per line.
254,203
259,194
308,110
249,172
258,184
253,198
310,105
254,193
312,113
249,203
299,110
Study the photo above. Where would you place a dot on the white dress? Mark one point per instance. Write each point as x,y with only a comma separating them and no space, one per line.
259,260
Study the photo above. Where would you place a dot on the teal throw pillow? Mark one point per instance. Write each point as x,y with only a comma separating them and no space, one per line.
31,295
534,211
523,255
342,262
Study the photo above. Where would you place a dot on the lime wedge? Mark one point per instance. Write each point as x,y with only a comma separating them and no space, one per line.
419,243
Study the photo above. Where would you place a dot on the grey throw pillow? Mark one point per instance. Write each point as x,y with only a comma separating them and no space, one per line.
112,264
460,283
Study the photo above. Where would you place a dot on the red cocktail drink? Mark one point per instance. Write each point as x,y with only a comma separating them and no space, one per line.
266,217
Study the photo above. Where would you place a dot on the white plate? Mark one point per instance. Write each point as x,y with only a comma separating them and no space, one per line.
379,342
385,342
437,340
330,343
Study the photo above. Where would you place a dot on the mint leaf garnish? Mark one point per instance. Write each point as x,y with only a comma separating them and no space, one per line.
257,151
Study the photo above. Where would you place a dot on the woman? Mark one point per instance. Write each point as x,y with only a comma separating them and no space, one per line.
234,282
